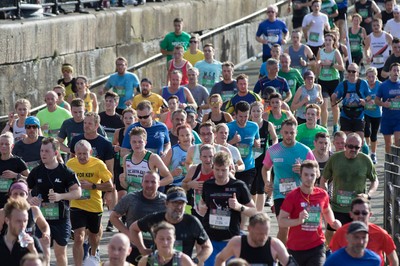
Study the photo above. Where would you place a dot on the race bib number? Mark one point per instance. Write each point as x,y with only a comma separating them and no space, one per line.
85,194
313,220
5,184
314,36
378,59
120,90
244,149
395,105
220,219
370,106
326,72
355,46
50,210
134,183
286,185
344,198
227,95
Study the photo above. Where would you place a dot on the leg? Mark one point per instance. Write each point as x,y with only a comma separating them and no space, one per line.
61,254
260,201
388,142
94,240
324,113
397,138
335,113
77,250
46,251
283,234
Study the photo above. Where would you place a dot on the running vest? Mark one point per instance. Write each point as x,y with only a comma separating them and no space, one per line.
135,172
256,256
379,54
277,122
152,260
178,159
185,79
295,57
313,93
328,73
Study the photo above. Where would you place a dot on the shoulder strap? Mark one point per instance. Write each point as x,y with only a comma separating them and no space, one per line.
197,171
358,85
345,87
147,156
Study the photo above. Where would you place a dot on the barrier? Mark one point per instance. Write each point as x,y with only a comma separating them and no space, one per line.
9,5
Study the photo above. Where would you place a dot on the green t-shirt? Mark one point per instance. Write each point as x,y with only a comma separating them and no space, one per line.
329,7
349,178
294,79
54,119
171,40
306,135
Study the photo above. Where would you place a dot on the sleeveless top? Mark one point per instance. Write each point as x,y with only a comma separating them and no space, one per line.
256,256
152,259
195,194
135,172
196,152
87,99
264,137
178,159
277,122
365,11
377,43
355,43
17,131
313,93
168,120
180,94
295,57
222,120
328,73
183,70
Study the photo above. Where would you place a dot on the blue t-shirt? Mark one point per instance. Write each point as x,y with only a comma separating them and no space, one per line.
247,134
263,69
371,109
352,99
273,31
280,84
209,74
341,257
123,86
341,4
390,90
157,137
102,147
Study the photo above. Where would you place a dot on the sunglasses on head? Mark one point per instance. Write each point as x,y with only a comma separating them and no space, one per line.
350,146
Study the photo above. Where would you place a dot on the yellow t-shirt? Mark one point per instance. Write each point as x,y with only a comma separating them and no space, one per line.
193,58
93,171
155,99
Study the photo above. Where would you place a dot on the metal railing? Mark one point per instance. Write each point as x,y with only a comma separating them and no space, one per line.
159,56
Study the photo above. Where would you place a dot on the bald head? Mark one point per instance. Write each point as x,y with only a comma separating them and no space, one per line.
119,248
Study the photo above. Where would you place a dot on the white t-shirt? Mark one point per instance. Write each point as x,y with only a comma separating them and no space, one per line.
315,35
393,28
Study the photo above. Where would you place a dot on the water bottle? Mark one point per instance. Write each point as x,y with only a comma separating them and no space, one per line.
21,238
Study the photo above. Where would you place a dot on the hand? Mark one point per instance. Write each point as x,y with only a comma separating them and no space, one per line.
303,62
386,104
177,172
202,208
268,188
11,117
45,126
54,197
45,239
9,174
146,251
368,20
236,138
327,62
303,215
128,103
368,60
86,184
117,148
233,203
198,185
101,91
283,41
35,201
182,105
362,102
306,99
318,100
31,244
257,144
296,168
336,224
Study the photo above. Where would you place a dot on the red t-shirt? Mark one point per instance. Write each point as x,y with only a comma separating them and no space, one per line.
379,240
309,234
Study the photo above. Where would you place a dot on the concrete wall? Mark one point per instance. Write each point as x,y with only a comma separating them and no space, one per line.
31,52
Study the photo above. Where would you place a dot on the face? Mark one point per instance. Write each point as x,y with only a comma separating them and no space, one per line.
185,136
32,131
339,143
389,6
275,103
371,77
192,76
275,52
322,145
146,88
222,134
259,233
175,209
89,125
256,112
361,212
273,70
145,117
394,73
47,153
242,85
285,62
32,262
215,103
289,134
18,193
22,110
118,250
208,52
150,184
138,143
81,85
59,93
352,73
396,15
78,113
242,118
5,146
357,242
329,41
309,80
121,66
191,119
51,99
178,119
316,7
193,43
165,239
308,177
83,154
356,21
376,27
128,119
312,115
271,14
227,73
396,48
66,73
175,80
110,103
173,105
221,172
207,135
352,148
206,157
178,53
17,221
296,38
178,26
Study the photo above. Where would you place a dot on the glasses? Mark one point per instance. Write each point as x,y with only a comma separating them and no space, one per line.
363,213
144,117
351,71
350,146
206,134
214,103
193,42
31,126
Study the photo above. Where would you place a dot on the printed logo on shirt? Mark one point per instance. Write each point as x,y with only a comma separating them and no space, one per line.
277,160
57,180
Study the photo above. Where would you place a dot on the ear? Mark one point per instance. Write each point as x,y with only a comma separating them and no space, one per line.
6,220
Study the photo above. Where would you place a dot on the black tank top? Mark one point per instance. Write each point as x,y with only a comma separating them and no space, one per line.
260,255
222,120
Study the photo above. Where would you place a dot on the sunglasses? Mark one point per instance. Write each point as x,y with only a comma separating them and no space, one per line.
214,103
31,126
352,71
144,117
193,42
363,213
350,146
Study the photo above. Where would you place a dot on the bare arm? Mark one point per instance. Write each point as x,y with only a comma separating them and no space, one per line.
116,221
204,251
393,258
189,98
95,104
137,239
232,249
156,162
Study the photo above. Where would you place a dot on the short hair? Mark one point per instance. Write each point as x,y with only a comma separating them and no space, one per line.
195,37
340,134
321,135
153,173
314,106
272,62
276,45
394,65
208,45
259,218
179,47
356,15
237,262
285,55
228,64
8,135
311,164
178,20
111,94
297,31
242,76
173,97
316,1
222,158
373,70
162,226
177,72
20,204
95,116
121,59
77,102
377,20
274,7
54,143
289,122
194,69
146,80
355,136
178,111
31,256
208,123
275,95
207,147
395,40
360,200
138,131
183,126
83,143
242,106
144,105
24,102
215,95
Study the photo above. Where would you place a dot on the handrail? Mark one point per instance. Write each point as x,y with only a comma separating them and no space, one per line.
160,56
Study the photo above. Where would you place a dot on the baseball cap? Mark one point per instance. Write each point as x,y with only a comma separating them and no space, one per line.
190,110
267,91
177,196
308,73
32,120
357,226
396,9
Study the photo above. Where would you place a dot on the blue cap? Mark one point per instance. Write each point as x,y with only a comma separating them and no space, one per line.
32,120
177,196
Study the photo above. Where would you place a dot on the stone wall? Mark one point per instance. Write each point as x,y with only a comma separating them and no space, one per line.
32,51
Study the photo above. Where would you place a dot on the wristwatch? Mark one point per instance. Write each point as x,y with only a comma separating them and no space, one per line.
94,186
195,260
242,208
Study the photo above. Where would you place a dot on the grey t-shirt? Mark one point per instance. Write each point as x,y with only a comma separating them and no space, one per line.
200,95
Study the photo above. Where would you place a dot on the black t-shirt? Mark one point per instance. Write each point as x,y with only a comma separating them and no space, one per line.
60,179
14,257
264,138
30,153
14,164
66,84
102,148
391,59
111,122
188,231
220,221
70,129
385,17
